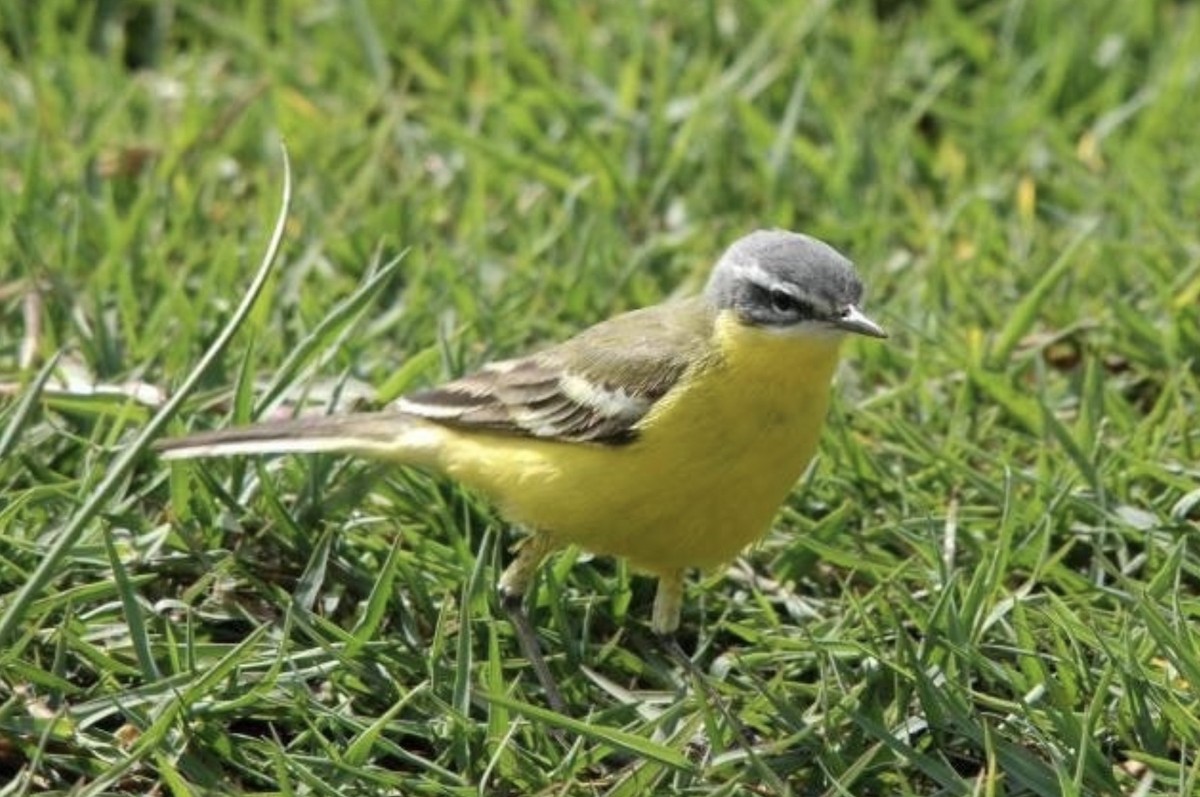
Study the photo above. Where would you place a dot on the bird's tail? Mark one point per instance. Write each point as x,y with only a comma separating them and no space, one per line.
389,435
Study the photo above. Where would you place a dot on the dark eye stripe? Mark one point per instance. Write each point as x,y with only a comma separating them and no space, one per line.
784,302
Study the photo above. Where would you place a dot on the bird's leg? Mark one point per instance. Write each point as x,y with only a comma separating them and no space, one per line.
664,621
668,602
514,583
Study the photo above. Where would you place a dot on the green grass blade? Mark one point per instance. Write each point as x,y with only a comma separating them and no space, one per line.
619,740
124,463
1022,317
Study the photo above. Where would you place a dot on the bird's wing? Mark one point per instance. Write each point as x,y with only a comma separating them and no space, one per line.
595,387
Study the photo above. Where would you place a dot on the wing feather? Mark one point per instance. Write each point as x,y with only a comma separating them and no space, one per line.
595,387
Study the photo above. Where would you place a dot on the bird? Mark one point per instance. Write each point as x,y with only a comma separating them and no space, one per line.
668,435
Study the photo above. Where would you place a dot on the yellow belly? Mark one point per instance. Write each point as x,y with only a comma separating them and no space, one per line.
712,463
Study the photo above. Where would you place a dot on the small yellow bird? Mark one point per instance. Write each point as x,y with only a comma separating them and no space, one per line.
668,435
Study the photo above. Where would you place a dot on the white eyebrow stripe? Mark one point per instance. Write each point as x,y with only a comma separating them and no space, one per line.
761,278
755,273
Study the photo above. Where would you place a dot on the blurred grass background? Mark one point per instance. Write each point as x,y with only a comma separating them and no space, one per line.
988,584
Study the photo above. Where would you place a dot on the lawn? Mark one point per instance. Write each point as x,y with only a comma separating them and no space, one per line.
987,583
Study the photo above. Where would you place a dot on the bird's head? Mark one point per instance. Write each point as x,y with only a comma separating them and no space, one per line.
785,282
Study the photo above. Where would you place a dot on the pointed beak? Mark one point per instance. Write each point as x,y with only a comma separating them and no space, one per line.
856,321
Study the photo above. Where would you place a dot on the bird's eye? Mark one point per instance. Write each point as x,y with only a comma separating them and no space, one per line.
784,302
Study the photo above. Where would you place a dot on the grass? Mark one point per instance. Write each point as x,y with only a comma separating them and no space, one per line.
989,582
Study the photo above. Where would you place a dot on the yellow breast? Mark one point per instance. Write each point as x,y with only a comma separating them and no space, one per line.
713,461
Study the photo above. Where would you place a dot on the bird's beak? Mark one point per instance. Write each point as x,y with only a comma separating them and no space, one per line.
856,321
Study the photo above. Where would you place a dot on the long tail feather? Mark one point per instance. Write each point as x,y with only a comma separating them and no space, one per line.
383,434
